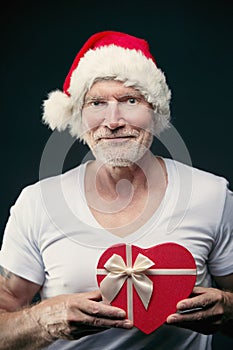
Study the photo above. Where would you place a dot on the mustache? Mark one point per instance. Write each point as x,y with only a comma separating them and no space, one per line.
114,133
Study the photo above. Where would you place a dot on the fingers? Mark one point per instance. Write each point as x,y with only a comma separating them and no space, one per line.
193,316
203,312
196,321
99,314
89,309
104,310
97,321
91,303
202,298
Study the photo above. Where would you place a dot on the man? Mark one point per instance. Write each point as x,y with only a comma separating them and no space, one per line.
115,99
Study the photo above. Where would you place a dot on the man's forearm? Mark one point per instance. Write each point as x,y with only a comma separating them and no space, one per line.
227,326
19,330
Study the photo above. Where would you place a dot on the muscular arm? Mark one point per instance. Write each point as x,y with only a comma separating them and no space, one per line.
71,316
18,329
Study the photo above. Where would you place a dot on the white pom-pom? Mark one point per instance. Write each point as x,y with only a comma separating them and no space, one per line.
57,110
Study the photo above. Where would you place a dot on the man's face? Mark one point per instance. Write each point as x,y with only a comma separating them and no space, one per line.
117,123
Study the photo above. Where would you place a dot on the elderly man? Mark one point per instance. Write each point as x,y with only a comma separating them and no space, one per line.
115,99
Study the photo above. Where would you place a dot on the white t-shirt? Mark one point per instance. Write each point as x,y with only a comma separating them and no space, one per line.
52,239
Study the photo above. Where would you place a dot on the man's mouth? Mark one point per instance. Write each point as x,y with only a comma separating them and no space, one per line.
117,138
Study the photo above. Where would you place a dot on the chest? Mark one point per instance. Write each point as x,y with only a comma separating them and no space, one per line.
70,260
126,215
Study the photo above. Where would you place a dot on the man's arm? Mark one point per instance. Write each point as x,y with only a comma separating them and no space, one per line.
71,316
226,283
214,309
18,329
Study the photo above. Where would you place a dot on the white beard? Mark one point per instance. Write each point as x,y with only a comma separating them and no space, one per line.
119,154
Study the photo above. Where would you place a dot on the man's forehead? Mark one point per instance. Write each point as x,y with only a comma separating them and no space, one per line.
111,88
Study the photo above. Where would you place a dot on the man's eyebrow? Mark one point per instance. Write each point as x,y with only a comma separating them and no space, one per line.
130,94
94,98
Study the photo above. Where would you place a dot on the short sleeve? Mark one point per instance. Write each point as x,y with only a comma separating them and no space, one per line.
221,257
20,253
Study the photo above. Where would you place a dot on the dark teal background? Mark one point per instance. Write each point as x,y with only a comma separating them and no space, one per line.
192,44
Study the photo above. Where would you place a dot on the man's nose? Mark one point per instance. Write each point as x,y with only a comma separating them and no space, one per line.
114,117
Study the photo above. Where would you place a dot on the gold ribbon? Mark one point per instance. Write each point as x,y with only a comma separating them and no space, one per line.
119,272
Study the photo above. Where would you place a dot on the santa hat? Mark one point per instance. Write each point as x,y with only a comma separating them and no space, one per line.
108,55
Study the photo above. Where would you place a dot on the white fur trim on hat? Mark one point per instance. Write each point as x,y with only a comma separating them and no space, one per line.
109,62
57,110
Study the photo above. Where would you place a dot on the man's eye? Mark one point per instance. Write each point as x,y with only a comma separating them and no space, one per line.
96,103
132,101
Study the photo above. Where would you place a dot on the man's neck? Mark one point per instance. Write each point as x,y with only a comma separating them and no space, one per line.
132,194
114,181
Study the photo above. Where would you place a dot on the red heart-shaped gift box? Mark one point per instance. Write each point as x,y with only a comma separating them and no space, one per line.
146,283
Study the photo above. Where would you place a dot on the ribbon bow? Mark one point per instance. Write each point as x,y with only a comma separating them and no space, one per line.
119,272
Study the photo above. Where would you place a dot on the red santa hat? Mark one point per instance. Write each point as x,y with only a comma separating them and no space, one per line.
108,55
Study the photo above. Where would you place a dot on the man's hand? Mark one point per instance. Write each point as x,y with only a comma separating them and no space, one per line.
214,308
72,316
